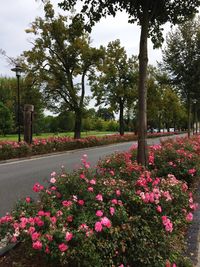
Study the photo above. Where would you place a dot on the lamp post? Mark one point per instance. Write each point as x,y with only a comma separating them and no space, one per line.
18,71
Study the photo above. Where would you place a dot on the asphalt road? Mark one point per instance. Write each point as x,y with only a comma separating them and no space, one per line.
17,177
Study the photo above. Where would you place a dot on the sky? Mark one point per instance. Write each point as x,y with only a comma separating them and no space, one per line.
16,16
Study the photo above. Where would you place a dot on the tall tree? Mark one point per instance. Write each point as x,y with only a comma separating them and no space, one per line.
116,80
150,15
182,60
60,59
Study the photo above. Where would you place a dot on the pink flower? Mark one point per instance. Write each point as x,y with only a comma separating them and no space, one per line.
114,201
167,223
49,237
192,171
82,176
118,192
37,187
38,221
37,245
90,189
47,250
53,174
28,199
62,247
112,211
159,209
106,222
184,187
81,202
53,180
31,230
99,213
59,213
89,233
67,203
53,219
112,173
98,227
35,236
189,217
70,218
121,265
93,182
53,188
68,236
99,197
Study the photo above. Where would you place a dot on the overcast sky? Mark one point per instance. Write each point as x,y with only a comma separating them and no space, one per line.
16,16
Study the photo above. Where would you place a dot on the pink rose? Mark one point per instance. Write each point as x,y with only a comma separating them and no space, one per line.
112,211
28,199
98,227
81,202
68,236
189,217
99,213
159,209
106,222
99,197
62,247
37,245
118,192
90,189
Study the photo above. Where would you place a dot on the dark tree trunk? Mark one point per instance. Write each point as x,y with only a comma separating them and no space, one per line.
121,117
142,91
78,124
79,110
189,114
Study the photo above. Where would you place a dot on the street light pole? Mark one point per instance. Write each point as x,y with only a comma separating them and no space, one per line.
18,71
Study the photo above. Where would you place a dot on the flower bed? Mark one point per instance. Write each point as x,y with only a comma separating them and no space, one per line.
118,214
11,149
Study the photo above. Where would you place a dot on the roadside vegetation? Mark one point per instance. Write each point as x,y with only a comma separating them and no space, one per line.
118,214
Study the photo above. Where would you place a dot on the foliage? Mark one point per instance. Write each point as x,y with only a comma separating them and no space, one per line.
119,214
60,60
12,149
181,60
115,83
150,15
6,120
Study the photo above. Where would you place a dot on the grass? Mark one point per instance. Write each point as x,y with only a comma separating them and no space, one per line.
14,137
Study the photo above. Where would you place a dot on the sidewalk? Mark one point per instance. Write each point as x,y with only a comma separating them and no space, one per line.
193,234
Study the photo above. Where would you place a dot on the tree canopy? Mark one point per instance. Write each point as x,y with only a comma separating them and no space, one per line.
60,59
150,15
181,58
116,82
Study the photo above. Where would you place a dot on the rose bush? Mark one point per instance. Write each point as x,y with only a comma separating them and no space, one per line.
118,214
10,149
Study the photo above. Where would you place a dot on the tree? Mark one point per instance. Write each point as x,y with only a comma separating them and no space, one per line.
6,120
105,113
60,60
150,15
181,59
114,84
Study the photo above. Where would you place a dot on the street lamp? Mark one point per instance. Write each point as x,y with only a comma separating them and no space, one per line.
18,71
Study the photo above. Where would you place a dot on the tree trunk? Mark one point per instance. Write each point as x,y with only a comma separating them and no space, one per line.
121,117
189,114
78,124
78,112
142,91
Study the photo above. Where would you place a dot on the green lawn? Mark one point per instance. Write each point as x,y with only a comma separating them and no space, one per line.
14,137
